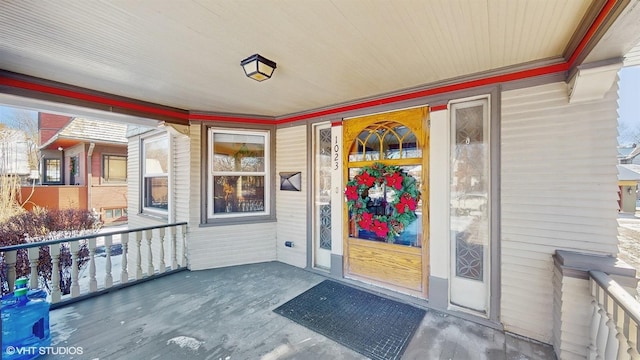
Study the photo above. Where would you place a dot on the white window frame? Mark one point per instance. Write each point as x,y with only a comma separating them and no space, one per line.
145,175
211,173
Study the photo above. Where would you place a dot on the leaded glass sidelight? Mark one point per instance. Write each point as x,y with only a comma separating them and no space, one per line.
470,183
324,187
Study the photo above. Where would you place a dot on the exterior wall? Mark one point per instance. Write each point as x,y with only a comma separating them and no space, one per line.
628,196
208,246
572,316
292,206
219,246
106,195
49,124
78,151
558,191
133,183
54,197
439,232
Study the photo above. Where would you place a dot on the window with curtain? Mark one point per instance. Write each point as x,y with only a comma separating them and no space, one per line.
238,178
155,174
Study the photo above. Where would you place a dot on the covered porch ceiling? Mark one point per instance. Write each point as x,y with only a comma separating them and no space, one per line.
183,57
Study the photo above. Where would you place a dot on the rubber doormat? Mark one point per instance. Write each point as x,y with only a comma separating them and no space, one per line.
374,326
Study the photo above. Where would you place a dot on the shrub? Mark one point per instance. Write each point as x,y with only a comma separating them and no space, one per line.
42,225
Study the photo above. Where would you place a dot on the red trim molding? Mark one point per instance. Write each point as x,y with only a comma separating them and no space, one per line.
231,118
97,99
438,107
336,123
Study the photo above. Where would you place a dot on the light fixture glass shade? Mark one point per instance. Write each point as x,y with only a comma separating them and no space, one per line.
257,67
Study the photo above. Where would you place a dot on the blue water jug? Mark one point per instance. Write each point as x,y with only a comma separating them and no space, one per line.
25,323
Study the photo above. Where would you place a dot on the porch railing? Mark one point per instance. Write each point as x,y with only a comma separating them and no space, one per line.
615,320
145,253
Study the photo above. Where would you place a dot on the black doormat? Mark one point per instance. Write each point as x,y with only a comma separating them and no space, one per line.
376,327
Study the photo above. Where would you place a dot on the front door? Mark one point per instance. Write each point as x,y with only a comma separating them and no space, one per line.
386,222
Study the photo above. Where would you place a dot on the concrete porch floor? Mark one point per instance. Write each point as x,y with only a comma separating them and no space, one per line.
226,314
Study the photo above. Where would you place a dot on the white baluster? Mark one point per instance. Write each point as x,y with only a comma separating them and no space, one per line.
33,254
149,237
603,332
108,279
93,283
56,295
632,337
611,350
74,248
163,266
183,230
593,331
174,248
139,255
10,258
623,345
125,253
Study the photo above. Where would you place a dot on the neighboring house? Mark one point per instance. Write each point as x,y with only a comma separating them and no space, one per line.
84,165
507,231
628,177
629,154
14,153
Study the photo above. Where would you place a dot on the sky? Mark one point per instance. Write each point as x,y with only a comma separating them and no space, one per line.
9,115
629,103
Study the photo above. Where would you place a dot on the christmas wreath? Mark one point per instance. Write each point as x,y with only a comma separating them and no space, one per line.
387,216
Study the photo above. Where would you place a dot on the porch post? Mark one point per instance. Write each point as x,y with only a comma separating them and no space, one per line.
573,309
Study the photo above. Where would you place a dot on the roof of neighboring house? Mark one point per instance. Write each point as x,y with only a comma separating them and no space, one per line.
87,130
628,172
628,153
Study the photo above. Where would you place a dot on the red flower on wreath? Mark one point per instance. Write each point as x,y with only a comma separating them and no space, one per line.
406,201
366,179
380,228
351,192
366,221
394,180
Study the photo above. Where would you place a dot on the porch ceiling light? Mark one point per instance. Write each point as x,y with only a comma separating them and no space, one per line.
258,67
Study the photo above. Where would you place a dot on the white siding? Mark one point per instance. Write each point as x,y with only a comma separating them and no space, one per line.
558,191
133,182
291,206
181,165
220,246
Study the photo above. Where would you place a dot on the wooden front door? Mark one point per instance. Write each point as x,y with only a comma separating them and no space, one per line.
383,145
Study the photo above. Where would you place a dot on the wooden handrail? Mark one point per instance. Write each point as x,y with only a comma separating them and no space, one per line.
86,237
